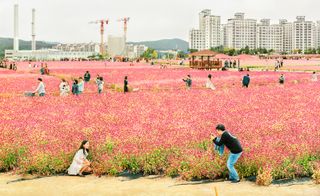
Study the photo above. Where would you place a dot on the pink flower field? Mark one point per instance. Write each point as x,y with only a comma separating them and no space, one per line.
161,128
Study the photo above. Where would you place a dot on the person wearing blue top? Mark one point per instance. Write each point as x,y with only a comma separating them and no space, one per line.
246,81
188,82
81,85
41,88
75,88
87,77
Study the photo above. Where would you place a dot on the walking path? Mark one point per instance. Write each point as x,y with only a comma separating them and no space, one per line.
152,185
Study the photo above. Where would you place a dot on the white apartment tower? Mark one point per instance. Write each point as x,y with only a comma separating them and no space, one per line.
240,32
303,35
317,41
287,35
208,34
212,31
269,36
196,39
202,22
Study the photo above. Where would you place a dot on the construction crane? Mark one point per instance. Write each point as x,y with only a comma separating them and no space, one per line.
125,21
102,23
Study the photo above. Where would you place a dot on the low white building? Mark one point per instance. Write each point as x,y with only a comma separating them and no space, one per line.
79,47
45,54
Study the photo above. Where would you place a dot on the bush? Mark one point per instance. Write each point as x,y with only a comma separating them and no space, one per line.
45,164
10,157
155,162
264,177
316,173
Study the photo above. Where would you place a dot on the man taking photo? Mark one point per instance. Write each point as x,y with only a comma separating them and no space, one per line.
233,144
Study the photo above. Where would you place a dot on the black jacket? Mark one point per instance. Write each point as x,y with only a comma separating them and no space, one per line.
231,142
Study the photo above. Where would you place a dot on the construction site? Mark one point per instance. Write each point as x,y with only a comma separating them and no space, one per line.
115,47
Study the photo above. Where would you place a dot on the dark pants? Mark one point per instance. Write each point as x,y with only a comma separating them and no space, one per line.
125,89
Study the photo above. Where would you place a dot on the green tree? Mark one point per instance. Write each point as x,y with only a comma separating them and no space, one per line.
192,50
150,53
182,54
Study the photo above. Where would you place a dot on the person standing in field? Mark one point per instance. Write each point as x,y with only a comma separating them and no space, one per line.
42,70
226,63
46,70
234,64
100,83
209,83
87,77
281,79
232,143
64,88
81,85
80,163
188,82
41,89
314,77
75,87
246,81
126,83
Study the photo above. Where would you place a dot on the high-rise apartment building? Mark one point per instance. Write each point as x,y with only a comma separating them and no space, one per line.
303,34
317,44
240,32
196,39
212,31
269,36
208,34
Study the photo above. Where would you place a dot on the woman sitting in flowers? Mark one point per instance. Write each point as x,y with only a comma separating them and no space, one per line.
209,83
80,163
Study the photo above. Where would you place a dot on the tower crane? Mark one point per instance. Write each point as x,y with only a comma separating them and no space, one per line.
125,21
102,23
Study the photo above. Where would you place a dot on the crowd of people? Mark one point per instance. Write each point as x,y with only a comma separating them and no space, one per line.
78,86
230,64
12,66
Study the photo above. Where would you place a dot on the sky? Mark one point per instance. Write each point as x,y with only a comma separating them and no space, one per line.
67,21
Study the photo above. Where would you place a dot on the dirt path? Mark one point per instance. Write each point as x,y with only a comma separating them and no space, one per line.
151,185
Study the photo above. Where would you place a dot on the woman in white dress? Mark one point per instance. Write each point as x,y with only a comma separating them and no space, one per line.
209,83
314,77
80,163
64,88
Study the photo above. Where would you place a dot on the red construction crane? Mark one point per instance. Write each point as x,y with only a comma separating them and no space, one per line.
102,23
125,20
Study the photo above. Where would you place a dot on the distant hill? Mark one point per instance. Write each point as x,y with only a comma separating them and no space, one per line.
7,44
165,44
